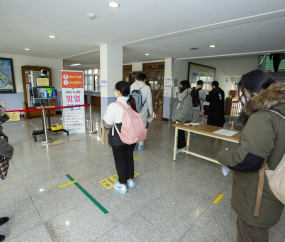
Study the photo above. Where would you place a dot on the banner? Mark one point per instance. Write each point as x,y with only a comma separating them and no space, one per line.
73,94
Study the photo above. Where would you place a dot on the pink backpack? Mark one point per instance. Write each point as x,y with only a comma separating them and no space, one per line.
133,129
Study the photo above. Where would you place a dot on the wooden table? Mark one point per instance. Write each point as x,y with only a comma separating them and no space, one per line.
204,129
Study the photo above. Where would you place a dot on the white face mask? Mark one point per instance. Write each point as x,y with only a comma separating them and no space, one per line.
244,100
116,94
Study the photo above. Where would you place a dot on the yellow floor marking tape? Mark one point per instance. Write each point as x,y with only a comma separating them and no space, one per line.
136,158
110,181
67,184
218,199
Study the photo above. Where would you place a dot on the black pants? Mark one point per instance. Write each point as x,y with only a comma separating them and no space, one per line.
181,139
124,160
276,63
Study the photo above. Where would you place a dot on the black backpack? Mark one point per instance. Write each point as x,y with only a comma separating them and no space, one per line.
195,97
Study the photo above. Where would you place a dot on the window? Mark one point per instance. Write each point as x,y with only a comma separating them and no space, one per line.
92,80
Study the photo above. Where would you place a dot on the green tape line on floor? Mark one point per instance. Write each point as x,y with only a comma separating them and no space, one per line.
88,195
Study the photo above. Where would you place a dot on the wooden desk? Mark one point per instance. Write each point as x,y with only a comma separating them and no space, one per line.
204,129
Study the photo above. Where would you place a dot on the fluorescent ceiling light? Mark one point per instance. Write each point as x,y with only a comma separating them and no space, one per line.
78,64
146,54
212,46
51,36
113,5
27,49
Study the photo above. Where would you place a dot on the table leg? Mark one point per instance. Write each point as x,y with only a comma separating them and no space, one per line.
188,141
175,143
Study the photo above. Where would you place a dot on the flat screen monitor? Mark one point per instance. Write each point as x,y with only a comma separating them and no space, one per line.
42,81
44,92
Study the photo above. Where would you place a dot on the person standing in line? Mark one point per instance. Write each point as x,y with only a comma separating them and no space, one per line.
123,153
147,109
6,150
198,98
216,98
261,142
182,110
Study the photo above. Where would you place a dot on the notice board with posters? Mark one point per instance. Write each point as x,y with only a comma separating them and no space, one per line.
198,72
73,94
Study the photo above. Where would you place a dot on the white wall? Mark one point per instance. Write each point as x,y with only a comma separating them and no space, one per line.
21,60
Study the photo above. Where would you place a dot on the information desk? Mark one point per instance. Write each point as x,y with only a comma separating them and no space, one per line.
204,129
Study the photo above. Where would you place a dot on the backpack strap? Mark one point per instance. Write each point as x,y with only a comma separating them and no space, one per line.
260,189
261,179
121,105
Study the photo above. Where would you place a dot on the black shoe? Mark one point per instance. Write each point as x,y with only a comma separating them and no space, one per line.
3,221
2,237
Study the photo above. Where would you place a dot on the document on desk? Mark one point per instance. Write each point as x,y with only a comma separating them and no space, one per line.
225,170
225,132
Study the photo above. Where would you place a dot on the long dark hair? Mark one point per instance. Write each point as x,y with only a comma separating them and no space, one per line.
124,88
254,82
185,85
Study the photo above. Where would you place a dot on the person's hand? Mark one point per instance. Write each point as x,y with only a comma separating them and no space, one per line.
207,93
150,116
177,122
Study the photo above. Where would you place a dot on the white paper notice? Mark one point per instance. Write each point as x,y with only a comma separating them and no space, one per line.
225,170
225,132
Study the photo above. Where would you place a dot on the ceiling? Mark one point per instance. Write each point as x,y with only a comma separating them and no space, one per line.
163,28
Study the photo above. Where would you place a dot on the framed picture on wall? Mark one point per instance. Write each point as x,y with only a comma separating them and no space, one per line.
198,72
7,79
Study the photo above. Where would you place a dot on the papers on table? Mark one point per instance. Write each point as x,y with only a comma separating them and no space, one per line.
225,132
225,170
193,124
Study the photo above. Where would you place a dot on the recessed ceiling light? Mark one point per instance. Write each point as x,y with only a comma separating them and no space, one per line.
27,49
51,36
113,5
212,46
77,64
146,54
194,48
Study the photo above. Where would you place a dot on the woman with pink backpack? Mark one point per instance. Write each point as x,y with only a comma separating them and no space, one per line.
126,129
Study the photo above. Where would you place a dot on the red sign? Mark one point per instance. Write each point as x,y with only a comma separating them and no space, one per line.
27,80
72,79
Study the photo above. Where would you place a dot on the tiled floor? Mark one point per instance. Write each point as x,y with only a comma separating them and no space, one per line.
173,201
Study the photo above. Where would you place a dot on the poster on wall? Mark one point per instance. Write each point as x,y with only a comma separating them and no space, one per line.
73,94
7,80
167,87
198,72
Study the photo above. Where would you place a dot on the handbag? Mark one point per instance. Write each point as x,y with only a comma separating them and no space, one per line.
4,166
105,133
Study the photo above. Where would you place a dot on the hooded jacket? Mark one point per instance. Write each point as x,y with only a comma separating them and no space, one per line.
262,140
182,109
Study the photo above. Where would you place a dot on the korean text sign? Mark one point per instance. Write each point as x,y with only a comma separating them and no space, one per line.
73,94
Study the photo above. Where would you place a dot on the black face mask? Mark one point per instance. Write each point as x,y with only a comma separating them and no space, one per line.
182,89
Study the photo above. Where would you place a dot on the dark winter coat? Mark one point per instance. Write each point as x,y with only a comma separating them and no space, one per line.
262,140
216,98
6,150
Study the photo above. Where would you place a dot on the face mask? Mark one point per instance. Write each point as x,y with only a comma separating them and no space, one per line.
116,94
244,100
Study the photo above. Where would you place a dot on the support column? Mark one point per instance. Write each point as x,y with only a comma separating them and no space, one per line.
111,68
168,81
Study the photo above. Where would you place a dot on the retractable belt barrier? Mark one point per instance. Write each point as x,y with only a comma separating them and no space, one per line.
43,108
47,108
